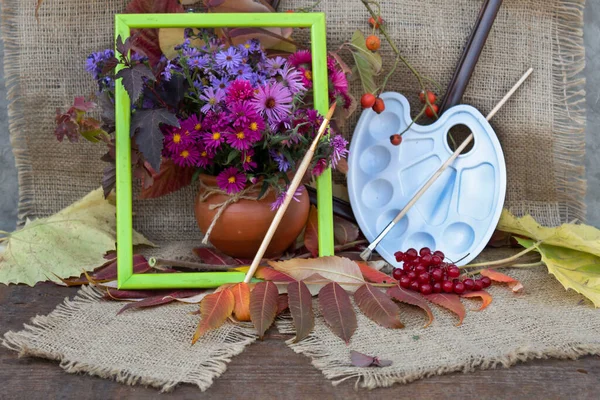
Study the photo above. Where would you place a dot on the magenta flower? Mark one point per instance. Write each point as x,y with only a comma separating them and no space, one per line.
242,113
187,157
239,89
177,140
212,99
339,149
205,157
273,100
248,162
231,180
281,197
319,168
242,140
339,82
213,140
255,124
191,125
331,64
301,57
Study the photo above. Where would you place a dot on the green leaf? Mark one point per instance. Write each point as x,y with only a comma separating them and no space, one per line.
263,190
64,244
149,137
368,63
132,80
574,269
232,155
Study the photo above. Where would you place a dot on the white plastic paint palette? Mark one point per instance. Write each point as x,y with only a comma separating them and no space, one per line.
458,213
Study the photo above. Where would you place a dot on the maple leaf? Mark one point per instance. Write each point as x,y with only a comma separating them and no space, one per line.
132,79
149,137
62,245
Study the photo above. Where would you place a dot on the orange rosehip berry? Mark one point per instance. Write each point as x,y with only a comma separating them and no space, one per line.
430,95
379,105
373,43
367,100
396,139
432,111
377,24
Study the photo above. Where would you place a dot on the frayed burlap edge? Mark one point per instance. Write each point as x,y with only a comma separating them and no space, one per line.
569,109
16,118
372,378
22,341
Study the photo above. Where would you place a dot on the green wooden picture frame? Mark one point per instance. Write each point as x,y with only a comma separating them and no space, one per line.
123,25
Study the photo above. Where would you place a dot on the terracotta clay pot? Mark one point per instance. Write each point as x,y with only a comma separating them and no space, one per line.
243,225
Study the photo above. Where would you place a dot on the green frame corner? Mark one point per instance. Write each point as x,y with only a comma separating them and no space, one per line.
123,24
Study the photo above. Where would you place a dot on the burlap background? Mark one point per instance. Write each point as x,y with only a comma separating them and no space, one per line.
541,130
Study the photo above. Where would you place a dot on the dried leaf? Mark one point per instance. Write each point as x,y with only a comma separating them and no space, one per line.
368,63
378,307
337,311
485,297
158,299
282,303
345,67
372,275
171,178
241,294
333,268
300,304
363,360
449,301
108,271
149,137
344,231
311,232
168,38
214,311
573,269
263,306
413,298
496,276
130,295
62,245
212,256
270,274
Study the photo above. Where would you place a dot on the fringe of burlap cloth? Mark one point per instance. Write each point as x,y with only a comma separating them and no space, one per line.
541,129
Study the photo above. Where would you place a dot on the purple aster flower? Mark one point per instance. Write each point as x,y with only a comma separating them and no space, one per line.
282,163
231,180
94,64
243,71
198,85
291,78
229,58
191,52
250,46
197,62
184,45
211,98
339,149
219,83
248,162
187,157
273,100
168,71
281,197
275,65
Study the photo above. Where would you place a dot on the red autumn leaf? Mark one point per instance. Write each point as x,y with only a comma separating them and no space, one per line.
372,275
363,360
450,302
213,256
378,307
108,271
496,276
413,298
241,294
116,294
337,310
263,306
282,303
270,274
344,231
485,297
160,299
311,232
300,303
171,178
214,311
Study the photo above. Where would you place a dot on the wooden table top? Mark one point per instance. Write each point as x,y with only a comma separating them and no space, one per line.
270,370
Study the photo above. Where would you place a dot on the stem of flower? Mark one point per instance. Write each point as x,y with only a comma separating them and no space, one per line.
507,260
159,262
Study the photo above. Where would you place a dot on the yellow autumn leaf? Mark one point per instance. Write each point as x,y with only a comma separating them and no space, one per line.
62,245
574,269
580,237
168,38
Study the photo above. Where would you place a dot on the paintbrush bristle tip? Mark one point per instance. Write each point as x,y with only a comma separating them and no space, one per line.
366,254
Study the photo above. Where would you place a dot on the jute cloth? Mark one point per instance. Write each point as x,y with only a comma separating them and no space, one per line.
541,131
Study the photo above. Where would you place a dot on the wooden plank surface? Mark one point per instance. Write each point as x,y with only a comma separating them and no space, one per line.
270,370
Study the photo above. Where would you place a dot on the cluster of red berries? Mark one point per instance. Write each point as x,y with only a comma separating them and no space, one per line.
432,110
426,272
368,100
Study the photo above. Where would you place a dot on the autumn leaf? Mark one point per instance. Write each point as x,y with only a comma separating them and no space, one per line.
129,295
398,293
574,269
170,38
209,255
282,303
62,245
372,275
311,232
333,268
241,294
368,63
344,231
263,306
450,302
149,137
170,179
337,311
496,276
214,311
270,274
300,304
485,297
108,271
378,307
160,299
363,360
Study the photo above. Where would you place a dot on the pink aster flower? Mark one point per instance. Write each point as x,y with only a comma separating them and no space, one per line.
281,197
306,77
339,82
320,167
212,99
231,180
331,64
239,89
273,100
212,140
242,112
242,140
248,162
339,149
187,157
301,57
